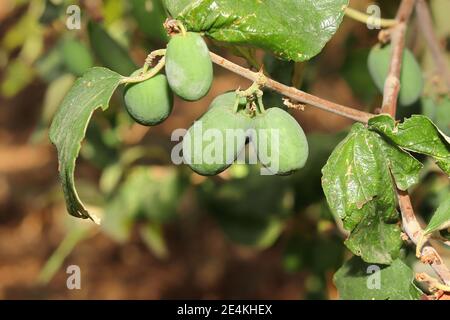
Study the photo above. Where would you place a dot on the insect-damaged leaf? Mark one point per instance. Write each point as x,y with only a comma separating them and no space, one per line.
360,191
293,30
68,128
416,134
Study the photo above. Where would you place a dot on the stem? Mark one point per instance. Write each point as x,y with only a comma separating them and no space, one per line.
250,91
415,232
259,96
427,28
392,84
145,76
151,57
56,260
293,93
365,18
390,96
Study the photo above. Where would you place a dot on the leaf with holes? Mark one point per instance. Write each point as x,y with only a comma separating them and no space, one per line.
360,191
416,134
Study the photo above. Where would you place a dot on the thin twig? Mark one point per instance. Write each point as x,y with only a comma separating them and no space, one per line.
391,90
293,93
427,29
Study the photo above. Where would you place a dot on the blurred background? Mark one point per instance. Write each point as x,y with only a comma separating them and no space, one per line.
168,232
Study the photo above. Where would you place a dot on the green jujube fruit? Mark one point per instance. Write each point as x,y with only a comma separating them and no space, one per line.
213,143
188,66
76,56
227,99
280,142
149,102
411,78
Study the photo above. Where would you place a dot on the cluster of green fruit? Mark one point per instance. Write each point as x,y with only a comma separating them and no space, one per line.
250,122
189,74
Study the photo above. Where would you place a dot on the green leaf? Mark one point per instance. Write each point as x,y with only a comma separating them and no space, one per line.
293,30
174,7
248,53
147,194
153,236
150,17
375,240
110,53
416,134
250,211
357,280
73,236
17,76
441,219
68,128
360,191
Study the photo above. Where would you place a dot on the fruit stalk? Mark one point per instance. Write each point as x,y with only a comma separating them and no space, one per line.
151,57
145,76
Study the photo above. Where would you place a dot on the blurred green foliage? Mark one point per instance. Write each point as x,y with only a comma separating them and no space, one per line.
139,189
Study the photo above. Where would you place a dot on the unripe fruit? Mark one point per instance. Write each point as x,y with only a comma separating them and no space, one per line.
188,66
281,143
411,79
76,56
227,99
149,102
213,143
